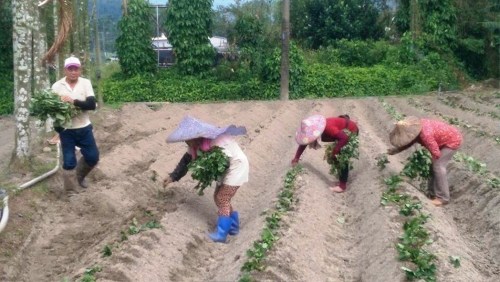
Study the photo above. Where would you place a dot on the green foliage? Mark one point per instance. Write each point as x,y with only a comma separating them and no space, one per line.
45,104
410,248
418,165
382,160
272,67
189,23
455,261
346,155
170,86
411,244
269,235
107,251
135,228
320,23
6,61
134,43
89,274
248,31
208,167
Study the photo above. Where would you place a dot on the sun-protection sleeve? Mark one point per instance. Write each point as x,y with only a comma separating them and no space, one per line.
299,152
182,167
88,105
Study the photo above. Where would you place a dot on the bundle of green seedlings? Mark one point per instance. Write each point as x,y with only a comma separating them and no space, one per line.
208,167
346,155
418,166
46,104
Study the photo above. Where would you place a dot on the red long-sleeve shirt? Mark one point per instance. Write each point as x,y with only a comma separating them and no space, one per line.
333,132
436,134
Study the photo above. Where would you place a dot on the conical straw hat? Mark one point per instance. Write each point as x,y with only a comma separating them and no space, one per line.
191,128
405,131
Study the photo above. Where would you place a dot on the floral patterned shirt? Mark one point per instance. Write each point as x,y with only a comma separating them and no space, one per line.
437,134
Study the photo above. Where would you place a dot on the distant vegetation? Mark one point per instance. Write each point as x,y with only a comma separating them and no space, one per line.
390,50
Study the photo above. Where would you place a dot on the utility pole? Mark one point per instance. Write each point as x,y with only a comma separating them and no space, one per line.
285,49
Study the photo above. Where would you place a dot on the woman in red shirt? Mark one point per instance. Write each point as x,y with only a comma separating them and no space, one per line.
441,139
330,130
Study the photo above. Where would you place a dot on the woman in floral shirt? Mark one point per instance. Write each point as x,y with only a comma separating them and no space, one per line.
441,139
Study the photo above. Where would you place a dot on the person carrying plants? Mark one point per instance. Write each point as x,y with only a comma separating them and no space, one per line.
77,91
441,139
203,138
332,129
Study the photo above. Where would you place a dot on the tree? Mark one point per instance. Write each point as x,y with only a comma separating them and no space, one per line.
134,42
285,66
319,23
6,61
29,74
189,24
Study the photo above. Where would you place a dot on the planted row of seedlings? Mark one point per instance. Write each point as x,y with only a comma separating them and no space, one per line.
413,244
452,101
89,275
469,162
455,121
269,236
488,99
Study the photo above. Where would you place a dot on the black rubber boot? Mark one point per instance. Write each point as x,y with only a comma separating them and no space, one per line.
82,169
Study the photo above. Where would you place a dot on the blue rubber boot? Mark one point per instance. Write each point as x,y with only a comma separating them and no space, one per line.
223,225
235,223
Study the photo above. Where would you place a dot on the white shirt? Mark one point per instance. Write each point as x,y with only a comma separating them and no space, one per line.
237,173
82,90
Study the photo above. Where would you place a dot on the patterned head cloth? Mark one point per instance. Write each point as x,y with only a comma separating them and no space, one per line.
310,129
405,131
190,128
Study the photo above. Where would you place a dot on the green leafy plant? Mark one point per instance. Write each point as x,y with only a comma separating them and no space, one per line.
455,261
418,165
134,43
269,235
89,274
107,250
45,104
382,160
189,25
135,228
208,167
346,155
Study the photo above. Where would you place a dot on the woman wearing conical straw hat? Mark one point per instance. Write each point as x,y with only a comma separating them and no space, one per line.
202,136
332,129
441,139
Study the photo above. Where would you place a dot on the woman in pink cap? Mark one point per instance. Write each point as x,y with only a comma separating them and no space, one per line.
201,136
441,139
330,130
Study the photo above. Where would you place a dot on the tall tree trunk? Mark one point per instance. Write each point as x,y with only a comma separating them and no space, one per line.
285,49
415,21
29,46
23,22
97,49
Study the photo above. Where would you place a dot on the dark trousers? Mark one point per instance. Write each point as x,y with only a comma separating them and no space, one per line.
344,174
83,138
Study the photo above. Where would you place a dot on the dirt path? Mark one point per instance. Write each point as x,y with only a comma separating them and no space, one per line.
342,237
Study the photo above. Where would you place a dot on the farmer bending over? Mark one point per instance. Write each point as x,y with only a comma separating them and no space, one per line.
201,136
441,139
331,129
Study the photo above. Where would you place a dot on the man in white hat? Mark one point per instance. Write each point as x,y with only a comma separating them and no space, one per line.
78,91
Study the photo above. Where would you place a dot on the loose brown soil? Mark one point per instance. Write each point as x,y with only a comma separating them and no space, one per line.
52,236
